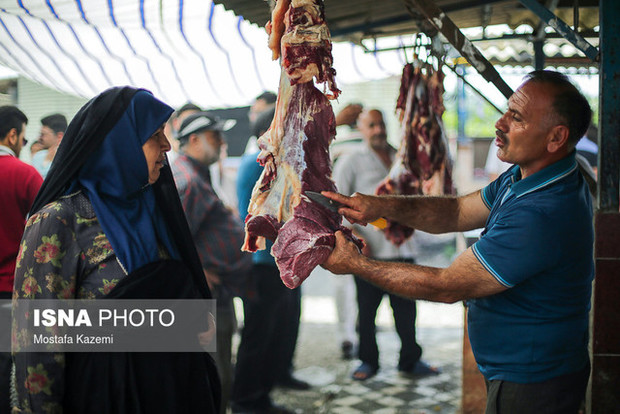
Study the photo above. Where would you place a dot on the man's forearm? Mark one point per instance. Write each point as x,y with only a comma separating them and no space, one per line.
407,280
465,278
430,214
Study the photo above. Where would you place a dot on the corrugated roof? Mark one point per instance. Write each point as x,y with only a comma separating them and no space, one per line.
355,19
520,52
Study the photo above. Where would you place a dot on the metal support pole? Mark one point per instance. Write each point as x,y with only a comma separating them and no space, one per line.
461,103
576,16
609,120
604,397
539,54
446,26
538,41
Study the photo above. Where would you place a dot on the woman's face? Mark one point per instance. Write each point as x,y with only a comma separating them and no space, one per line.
154,152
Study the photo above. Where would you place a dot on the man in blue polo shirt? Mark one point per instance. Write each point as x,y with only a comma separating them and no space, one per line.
527,281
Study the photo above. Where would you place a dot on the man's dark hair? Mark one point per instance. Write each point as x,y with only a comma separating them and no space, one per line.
569,104
268,97
188,107
11,117
263,122
55,122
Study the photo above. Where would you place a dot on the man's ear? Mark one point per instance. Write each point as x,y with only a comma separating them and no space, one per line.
557,138
60,135
190,144
11,138
193,138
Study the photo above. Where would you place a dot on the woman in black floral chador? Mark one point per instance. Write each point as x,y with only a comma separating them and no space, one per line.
108,223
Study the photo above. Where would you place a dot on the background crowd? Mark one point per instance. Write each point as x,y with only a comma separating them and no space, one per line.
74,160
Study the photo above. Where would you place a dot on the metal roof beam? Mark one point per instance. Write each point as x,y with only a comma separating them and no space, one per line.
562,28
528,36
472,87
366,27
438,19
540,33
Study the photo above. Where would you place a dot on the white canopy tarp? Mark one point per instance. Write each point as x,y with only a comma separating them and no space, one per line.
181,50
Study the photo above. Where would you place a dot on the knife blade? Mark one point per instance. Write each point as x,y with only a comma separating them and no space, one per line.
328,203
332,205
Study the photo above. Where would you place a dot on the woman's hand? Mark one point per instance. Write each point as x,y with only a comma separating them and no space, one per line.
359,208
207,337
345,258
213,280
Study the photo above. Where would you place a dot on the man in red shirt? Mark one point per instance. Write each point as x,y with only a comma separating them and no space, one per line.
19,184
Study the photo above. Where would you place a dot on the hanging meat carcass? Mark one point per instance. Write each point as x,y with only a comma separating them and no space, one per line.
422,165
295,149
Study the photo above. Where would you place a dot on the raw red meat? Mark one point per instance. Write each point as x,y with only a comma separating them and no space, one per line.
423,164
294,151
276,29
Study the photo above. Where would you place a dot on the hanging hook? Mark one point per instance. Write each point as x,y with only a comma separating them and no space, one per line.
415,49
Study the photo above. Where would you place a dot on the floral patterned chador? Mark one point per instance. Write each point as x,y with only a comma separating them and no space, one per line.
63,241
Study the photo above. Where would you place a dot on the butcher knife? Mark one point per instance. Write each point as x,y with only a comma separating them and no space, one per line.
332,205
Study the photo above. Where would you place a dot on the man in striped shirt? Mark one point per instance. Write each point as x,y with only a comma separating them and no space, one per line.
216,230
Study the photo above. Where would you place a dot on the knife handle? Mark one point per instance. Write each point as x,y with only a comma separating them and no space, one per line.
380,223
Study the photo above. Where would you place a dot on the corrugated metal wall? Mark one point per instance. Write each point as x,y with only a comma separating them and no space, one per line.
6,99
37,101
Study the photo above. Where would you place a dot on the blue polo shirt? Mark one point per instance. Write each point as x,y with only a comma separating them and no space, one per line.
538,242
248,173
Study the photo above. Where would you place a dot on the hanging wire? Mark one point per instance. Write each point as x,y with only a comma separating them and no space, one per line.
424,55
402,46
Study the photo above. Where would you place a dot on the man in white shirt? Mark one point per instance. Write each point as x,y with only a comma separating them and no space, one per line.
361,171
52,130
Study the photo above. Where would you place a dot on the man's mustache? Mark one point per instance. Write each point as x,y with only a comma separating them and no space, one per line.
501,135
